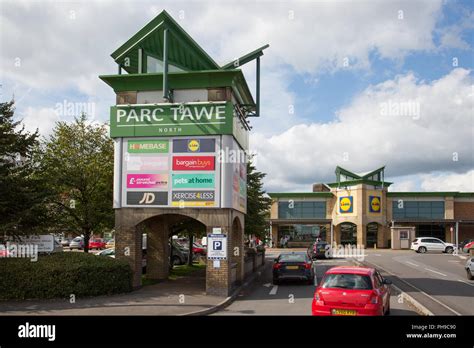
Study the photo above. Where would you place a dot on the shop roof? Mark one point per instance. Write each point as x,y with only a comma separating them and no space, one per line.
300,194
431,194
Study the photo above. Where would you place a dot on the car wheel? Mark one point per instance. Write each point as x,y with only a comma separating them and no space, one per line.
449,250
175,261
422,250
469,275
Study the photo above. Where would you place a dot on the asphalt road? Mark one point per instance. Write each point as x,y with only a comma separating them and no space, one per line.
264,298
436,280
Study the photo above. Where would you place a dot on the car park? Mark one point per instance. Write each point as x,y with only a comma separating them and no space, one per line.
352,291
293,266
77,243
469,267
319,250
431,244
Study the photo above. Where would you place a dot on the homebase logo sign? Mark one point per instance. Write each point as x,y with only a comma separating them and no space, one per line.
171,119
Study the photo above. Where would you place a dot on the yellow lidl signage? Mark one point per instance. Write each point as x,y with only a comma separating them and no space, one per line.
193,145
345,204
375,205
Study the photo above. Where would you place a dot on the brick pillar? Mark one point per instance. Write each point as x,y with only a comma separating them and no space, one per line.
381,234
237,252
128,246
218,279
362,234
157,249
337,234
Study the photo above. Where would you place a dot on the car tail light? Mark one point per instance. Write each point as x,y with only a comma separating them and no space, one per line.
318,298
374,299
276,265
308,265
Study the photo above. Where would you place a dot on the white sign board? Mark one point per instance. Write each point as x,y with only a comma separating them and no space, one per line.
216,246
44,242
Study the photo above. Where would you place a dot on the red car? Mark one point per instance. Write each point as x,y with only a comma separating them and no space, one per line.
352,291
97,243
199,249
468,247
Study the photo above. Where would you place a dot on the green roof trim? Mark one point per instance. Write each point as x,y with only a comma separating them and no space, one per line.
430,194
359,182
182,80
246,58
301,194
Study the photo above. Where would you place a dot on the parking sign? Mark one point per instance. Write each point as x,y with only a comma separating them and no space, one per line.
217,246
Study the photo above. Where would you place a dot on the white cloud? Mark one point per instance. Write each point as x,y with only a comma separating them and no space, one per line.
448,182
42,119
438,138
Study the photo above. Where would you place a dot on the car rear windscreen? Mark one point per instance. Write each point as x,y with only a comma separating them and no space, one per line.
347,281
293,258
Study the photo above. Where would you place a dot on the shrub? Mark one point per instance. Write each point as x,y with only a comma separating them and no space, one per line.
63,274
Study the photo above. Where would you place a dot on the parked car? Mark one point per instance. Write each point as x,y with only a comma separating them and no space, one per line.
424,244
110,244
352,291
65,242
319,250
199,249
97,243
294,265
468,247
470,268
3,251
77,243
464,243
107,252
178,255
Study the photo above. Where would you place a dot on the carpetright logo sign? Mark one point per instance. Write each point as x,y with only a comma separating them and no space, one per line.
171,119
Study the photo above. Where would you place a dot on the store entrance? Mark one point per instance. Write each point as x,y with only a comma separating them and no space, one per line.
348,233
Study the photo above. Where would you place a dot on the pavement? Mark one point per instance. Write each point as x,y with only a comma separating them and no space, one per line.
182,296
436,280
264,298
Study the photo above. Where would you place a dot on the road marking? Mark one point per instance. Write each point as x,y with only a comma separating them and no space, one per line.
418,289
463,281
375,255
267,285
454,261
274,290
444,275
411,263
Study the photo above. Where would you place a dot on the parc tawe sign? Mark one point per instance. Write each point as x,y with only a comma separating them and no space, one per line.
171,119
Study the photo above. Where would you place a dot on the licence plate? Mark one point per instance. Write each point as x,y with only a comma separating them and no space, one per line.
343,312
322,250
291,267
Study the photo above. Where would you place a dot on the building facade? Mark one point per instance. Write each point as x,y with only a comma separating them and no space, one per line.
359,209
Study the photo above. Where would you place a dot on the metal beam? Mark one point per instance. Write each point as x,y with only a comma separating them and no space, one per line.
140,60
165,65
257,107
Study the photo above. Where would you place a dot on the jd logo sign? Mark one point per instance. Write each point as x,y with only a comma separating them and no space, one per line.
147,198
374,204
345,204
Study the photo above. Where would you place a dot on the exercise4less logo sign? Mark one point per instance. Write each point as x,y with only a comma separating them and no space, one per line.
170,119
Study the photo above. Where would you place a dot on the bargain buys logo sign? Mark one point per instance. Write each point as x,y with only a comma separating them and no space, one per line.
346,204
375,205
147,181
193,180
148,146
193,162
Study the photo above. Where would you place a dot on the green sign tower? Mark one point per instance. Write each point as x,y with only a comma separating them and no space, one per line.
180,127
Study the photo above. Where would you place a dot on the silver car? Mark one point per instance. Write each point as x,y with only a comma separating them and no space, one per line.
470,268
77,243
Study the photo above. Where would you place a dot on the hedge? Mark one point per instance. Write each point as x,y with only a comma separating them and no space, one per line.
62,274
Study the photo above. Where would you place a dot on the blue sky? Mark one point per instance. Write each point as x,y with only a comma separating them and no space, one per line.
63,46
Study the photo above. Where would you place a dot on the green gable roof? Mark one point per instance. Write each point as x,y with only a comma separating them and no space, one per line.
300,194
183,51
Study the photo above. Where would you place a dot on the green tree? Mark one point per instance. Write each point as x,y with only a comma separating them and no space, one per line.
257,204
77,162
22,209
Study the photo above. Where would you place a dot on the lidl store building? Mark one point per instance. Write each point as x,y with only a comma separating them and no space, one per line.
359,209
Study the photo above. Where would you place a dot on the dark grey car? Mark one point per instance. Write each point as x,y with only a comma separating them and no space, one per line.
293,266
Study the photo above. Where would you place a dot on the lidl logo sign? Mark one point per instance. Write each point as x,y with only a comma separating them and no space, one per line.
374,204
193,145
345,204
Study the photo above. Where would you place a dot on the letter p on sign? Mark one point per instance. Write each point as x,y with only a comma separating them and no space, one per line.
217,245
